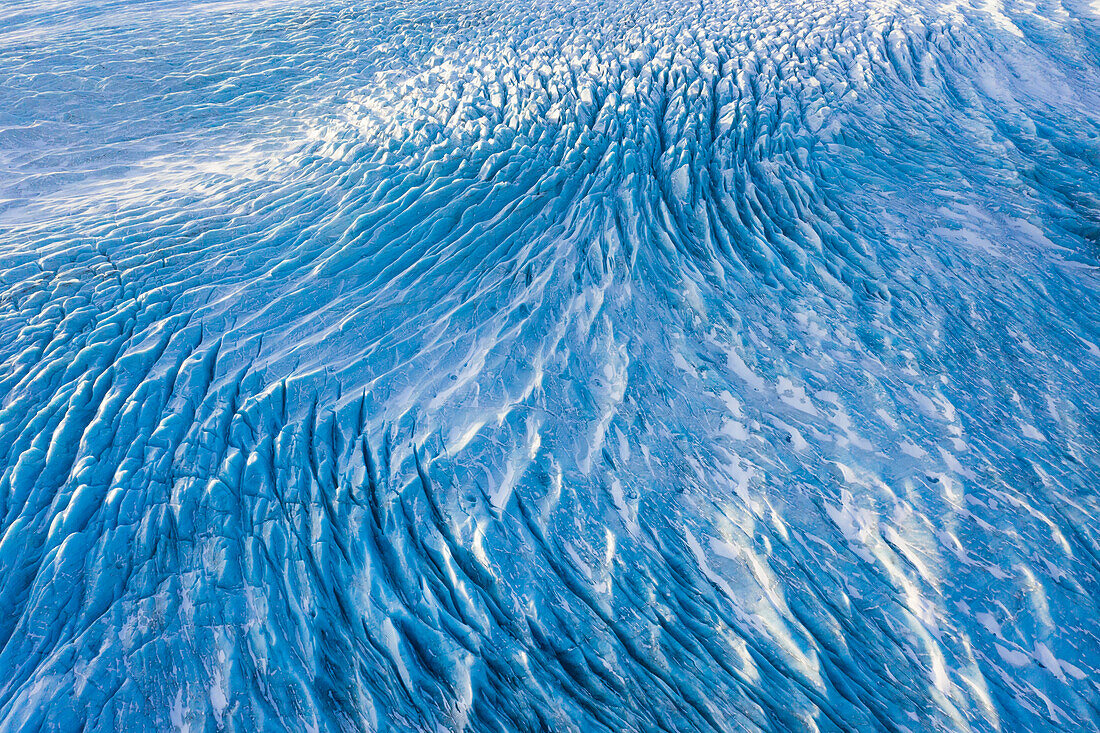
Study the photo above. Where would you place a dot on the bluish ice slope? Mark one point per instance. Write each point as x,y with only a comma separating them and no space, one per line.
516,365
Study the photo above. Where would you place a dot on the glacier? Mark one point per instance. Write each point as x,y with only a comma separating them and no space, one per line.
726,365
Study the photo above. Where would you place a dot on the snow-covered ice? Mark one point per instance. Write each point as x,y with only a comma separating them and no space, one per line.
495,365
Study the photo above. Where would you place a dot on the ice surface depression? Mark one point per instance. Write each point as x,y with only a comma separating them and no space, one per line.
524,366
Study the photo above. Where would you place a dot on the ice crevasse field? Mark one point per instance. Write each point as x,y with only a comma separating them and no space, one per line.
500,365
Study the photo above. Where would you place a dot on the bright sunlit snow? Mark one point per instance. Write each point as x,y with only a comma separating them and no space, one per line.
487,365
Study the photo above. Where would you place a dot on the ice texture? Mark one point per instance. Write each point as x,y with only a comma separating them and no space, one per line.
516,365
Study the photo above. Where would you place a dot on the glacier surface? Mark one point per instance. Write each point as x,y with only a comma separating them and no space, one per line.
494,365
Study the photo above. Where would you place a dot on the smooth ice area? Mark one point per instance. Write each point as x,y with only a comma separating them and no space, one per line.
518,365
